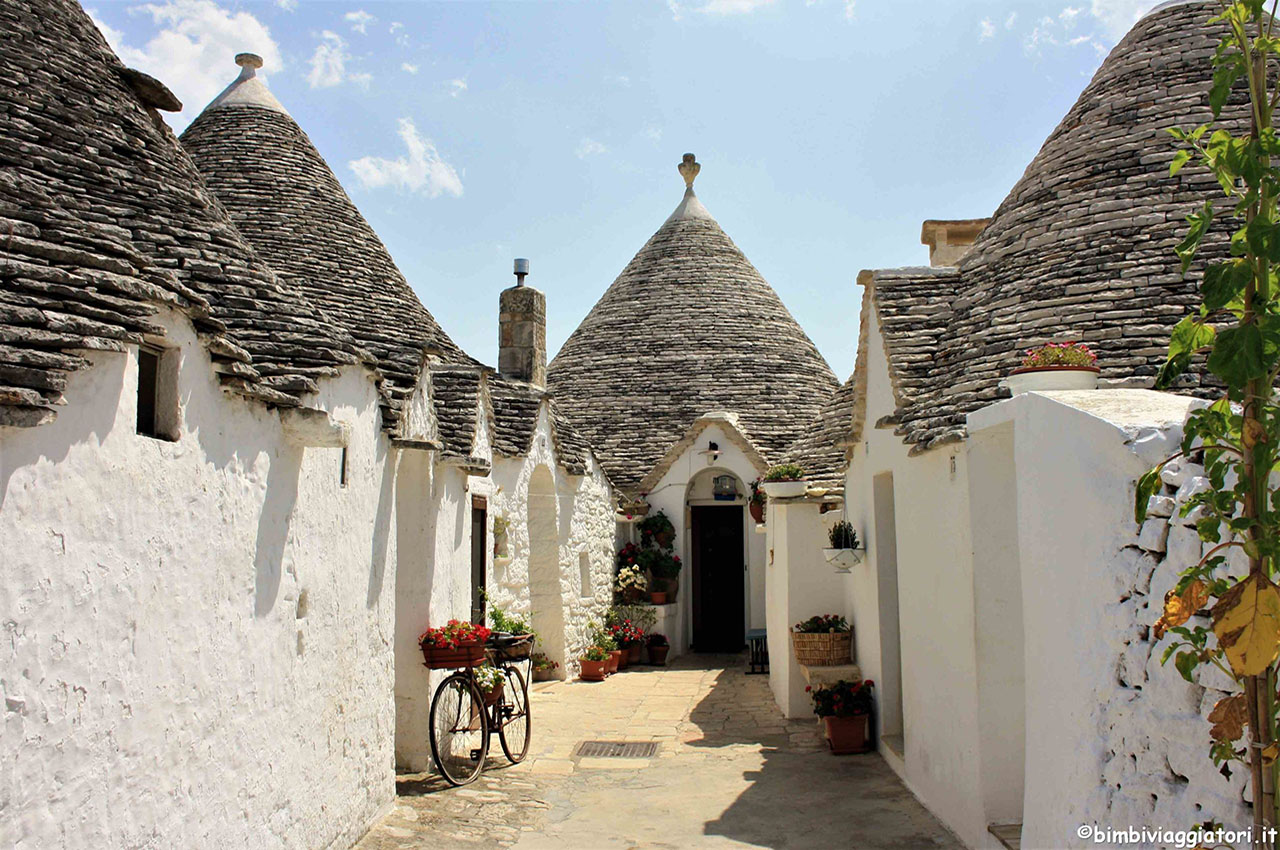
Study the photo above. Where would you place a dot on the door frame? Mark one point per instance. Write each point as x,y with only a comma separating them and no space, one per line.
479,558
690,608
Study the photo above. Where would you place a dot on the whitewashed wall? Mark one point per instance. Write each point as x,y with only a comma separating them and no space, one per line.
198,633
939,722
1114,739
671,495
585,520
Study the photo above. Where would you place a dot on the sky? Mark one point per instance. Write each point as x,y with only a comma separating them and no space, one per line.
470,133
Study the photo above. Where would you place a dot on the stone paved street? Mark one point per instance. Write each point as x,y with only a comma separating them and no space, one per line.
729,772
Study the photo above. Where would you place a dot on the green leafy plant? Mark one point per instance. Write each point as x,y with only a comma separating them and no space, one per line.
657,640
1237,437
822,623
630,578
842,536
758,496
1059,354
659,563
542,663
601,637
643,616
785,472
656,530
514,624
595,653
842,699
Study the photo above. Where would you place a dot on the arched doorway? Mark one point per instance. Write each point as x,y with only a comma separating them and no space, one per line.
545,595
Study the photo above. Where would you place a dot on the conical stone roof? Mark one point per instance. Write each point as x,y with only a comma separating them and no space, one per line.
290,206
106,220
689,327
1082,247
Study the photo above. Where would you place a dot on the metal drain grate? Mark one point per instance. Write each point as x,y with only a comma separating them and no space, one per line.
617,749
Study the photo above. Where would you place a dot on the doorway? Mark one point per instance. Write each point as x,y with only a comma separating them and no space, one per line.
719,577
479,559
892,728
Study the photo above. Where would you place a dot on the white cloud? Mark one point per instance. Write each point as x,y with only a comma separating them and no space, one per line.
401,35
1117,16
329,64
652,133
408,67
677,11
1062,31
1009,21
986,29
589,147
732,7
457,87
423,171
359,20
193,49
849,9
287,5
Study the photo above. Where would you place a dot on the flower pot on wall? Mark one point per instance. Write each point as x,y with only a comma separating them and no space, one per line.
843,559
756,510
785,489
847,734
1042,378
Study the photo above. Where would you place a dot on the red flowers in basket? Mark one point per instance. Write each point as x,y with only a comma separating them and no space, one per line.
454,634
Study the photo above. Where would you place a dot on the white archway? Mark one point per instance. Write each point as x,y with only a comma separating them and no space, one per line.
546,596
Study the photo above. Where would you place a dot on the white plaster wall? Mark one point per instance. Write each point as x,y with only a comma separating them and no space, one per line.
585,518
198,633
1113,737
670,496
936,607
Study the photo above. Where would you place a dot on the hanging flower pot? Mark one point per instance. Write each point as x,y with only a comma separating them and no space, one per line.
756,510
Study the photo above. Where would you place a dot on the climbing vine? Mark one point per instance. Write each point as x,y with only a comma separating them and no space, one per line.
1237,437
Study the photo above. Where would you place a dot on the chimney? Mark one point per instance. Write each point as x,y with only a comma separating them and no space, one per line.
949,241
522,330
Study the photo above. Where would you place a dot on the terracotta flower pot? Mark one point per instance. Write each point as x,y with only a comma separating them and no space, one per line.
658,597
623,658
635,653
632,594
592,671
615,658
494,695
658,655
757,511
545,675
444,658
847,734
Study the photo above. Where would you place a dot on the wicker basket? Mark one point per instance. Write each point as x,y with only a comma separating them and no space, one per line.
437,658
512,652
822,649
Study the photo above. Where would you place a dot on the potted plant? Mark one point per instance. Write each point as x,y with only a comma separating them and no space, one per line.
664,568
785,481
489,679
845,709
757,502
631,583
544,669
822,641
1055,366
845,551
658,649
657,530
603,638
592,664
513,624
455,644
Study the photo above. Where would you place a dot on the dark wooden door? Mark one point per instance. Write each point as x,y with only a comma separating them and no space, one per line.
479,575
719,578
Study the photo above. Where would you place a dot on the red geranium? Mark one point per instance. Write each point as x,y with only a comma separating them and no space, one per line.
454,634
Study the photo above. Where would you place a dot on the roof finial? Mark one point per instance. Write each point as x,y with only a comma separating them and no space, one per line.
689,168
249,61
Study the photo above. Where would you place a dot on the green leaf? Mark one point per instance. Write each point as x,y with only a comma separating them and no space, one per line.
1238,356
1223,282
1186,663
1180,159
1199,222
1188,337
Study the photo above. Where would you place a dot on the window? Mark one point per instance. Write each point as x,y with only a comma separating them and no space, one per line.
584,575
158,415
342,468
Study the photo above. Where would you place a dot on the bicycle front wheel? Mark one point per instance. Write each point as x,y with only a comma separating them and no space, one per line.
514,721
459,730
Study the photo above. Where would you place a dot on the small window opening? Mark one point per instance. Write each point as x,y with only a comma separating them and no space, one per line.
342,468
157,393
584,574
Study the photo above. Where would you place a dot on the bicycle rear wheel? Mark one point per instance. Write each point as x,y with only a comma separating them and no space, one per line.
459,729
514,721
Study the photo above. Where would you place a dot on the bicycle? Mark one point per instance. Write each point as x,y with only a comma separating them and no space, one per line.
463,721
